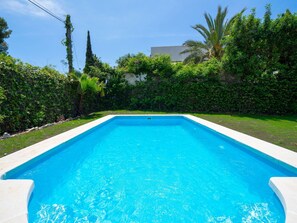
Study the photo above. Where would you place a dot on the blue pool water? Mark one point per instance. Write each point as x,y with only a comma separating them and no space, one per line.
152,169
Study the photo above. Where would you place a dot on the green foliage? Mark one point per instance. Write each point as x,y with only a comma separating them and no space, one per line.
100,69
153,67
33,96
89,55
160,66
257,74
123,61
2,97
213,34
117,95
68,43
208,69
203,87
4,33
91,84
262,48
86,85
210,95
138,64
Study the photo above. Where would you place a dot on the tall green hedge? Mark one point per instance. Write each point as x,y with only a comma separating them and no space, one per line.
2,97
266,96
33,96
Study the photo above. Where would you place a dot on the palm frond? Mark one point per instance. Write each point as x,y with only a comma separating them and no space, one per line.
213,35
209,21
202,30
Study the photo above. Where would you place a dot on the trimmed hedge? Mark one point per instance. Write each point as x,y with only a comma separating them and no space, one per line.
33,96
267,96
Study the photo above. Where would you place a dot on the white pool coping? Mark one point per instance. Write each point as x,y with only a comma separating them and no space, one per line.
285,188
15,196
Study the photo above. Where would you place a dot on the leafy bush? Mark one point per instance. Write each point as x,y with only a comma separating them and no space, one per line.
208,69
153,67
256,48
117,93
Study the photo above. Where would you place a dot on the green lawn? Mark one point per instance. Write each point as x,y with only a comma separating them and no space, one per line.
280,130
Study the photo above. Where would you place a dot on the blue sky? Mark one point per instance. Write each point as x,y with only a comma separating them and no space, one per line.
117,27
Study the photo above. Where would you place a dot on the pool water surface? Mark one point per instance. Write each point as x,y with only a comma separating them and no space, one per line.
153,169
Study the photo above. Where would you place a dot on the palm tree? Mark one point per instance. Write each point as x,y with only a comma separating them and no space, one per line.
86,84
213,34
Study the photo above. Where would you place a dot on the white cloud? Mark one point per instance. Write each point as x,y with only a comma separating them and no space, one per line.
26,8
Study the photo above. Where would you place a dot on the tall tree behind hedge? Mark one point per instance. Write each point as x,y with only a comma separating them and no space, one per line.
89,55
259,48
100,69
68,43
4,33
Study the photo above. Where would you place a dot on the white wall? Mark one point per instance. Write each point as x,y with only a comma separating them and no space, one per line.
132,78
172,51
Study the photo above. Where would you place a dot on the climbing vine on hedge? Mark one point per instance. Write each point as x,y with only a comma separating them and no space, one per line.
33,96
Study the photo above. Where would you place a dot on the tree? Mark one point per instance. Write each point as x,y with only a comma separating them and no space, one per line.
68,43
213,35
86,84
258,48
4,33
122,61
89,55
100,69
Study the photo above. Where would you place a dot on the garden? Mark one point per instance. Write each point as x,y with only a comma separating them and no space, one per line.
243,75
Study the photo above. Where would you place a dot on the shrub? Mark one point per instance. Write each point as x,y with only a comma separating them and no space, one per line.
256,48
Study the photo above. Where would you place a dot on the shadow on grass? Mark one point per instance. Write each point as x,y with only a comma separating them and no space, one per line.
95,115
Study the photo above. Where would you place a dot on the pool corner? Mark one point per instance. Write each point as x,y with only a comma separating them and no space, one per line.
285,188
15,195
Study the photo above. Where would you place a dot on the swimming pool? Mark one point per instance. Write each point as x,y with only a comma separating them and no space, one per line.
153,169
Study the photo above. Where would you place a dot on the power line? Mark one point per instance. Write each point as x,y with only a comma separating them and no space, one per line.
46,10
56,17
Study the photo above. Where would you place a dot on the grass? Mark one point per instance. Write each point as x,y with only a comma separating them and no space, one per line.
280,130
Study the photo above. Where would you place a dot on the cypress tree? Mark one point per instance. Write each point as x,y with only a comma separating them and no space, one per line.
89,55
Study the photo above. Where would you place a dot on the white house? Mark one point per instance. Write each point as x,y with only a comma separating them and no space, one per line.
173,51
